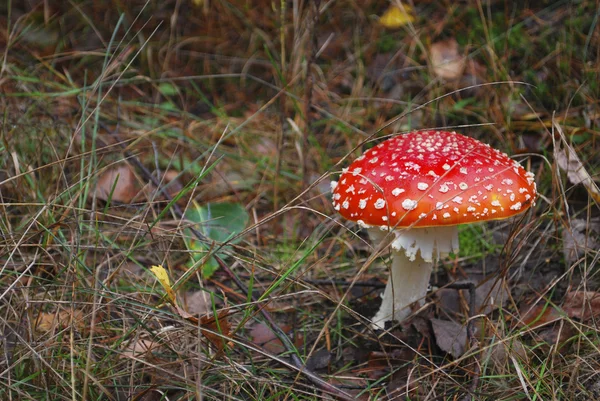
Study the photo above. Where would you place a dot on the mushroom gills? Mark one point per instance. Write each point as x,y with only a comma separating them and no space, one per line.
432,242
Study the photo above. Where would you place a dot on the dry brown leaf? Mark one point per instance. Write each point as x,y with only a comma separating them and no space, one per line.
539,315
60,320
567,160
580,236
490,295
197,303
450,336
216,329
319,360
262,335
582,304
139,347
502,351
122,179
447,63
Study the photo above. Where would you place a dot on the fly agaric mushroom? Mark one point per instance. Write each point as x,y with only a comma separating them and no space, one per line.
419,187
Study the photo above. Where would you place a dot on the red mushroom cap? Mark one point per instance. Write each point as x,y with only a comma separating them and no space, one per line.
432,178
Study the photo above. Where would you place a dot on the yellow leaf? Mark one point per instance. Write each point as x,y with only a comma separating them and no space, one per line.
198,3
395,17
163,278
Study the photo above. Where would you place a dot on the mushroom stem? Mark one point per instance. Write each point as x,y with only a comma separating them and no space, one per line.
408,283
413,253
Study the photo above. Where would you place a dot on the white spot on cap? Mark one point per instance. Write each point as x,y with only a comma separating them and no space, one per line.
471,209
380,203
516,206
350,189
409,204
346,204
362,203
463,170
332,185
529,175
336,196
496,203
397,191
384,218
374,160
446,166
463,185
446,215
439,205
422,186
356,171
444,188
457,199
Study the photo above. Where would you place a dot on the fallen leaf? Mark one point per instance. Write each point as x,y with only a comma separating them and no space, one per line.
263,336
582,304
502,351
396,17
450,336
567,160
197,303
490,295
447,63
216,329
379,364
539,315
60,320
319,360
139,347
219,222
163,278
117,184
581,235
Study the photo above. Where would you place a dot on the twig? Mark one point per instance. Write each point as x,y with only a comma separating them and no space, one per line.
289,346
345,283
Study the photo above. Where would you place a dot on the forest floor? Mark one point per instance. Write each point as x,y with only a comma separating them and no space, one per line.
166,226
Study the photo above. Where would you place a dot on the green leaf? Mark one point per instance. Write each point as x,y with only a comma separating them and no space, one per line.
166,89
219,222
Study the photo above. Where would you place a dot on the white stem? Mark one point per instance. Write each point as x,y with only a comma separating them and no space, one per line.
413,253
407,284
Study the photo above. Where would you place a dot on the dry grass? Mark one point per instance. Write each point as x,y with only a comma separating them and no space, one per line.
218,96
